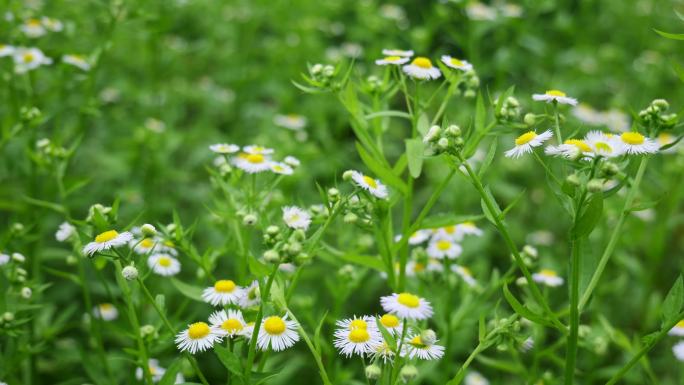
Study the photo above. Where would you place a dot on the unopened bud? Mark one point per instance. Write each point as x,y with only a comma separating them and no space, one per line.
148,230
453,131
661,104
26,292
348,175
333,194
530,250
573,180
271,256
350,218
272,230
408,373
443,143
432,134
595,185
8,316
130,273
530,119
610,169
373,372
428,337
18,257
249,220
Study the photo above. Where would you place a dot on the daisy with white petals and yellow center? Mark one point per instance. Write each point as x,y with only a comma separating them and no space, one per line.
555,96
144,246
392,323
373,186
454,63
250,296
106,241
224,292
224,148
164,264
106,312
392,60
571,149
33,28
548,277
441,247
526,142
357,336
407,305
605,145
77,61
465,274
27,59
255,149
6,50
277,333
65,231
230,323
637,144
281,168
421,68
198,337
678,329
252,163
678,350
468,228
290,121
397,52
416,347
296,218
475,378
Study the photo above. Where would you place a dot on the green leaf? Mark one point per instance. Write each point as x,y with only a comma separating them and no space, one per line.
169,377
45,204
257,268
160,300
480,114
488,159
388,113
674,300
414,153
190,291
317,332
590,216
383,172
523,311
278,295
497,210
369,261
673,36
228,359
386,335
423,124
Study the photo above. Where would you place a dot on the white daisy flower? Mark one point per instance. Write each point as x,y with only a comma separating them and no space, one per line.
468,228
6,50
392,323
416,238
363,322
422,68
373,186
4,259
77,61
106,312
164,264
548,277
65,231
277,333
678,350
392,60
296,218
224,292
106,241
143,246
635,143
465,274
291,161
252,163
287,268
33,28
229,323
397,52
664,139
527,345
290,121
605,145
224,148
27,59
570,149
254,149
475,378
450,231
555,96
357,340
413,268
678,329
454,63
407,305
166,246
248,330
51,24
526,142
198,337
156,371
250,296
435,265
281,168
383,351
415,347
443,247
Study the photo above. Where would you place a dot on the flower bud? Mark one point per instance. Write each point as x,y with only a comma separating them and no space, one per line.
373,372
8,316
408,373
453,131
249,220
148,331
294,248
531,251
522,281
432,134
661,104
26,292
71,260
328,71
271,256
18,257
350,218
333,194
530,119
443,143
573,180
298,235
610,169
428,337
595,185
459,142
316,69
130,273
302,258
148,230
469,94
21,272
347,176
17,227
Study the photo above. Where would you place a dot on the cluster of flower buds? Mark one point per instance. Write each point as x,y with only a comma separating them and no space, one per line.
285,249
446,140
373,85
510,109
654,115
98,213
471,82
358,211
321,76
46,150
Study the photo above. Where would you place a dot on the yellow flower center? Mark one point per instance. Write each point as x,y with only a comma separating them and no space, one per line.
274,325
106,306
663,138
449,229
422,62
680,324
555,93
33,23
525,138
417,342
603,146
255,158
548,273
28,57
443,245
392,58
106,236
408,300
147,243
466,271
579,144
232,325
198,330
370,181
389,321
418,267
164,261
169,244
456,62
359,335
224,286
358,324
633,138
468,224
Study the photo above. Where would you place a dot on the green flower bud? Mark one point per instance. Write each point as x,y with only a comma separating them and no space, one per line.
661,104
408,373
428,337
573,180
469,94
130,273
272,230
8,316
373,372
148,230
595,185
302,258
333,194
249,220
610,169
347,176
453,131
443,143
432,134
271,256
350,218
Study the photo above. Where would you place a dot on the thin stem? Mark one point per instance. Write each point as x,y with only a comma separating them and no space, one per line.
257,324
571,354
557,125
314,352
614,237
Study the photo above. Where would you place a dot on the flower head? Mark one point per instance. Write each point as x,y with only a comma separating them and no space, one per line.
27,59
605,145
454,63
416,346
296,218
106,241
106,312
677,330
422,68
65,231
224,148
392,60
465,274
230,323
526,142
407,305
198,337
548,277
556,96
277,333
252,163
637,144
373,186
441,247
164,264
290,121
397,52
224,292
77,61
250,296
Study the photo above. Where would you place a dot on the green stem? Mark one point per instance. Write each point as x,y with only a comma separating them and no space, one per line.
500,225
571,354
442,106
257,324
559,137
615,236
314,352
